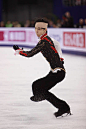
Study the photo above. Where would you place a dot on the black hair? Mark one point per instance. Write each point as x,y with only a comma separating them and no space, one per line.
41,20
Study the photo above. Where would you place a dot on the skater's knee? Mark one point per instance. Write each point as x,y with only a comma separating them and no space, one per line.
33,85
35,88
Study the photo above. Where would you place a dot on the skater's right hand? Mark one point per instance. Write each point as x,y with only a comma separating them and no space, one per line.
17,49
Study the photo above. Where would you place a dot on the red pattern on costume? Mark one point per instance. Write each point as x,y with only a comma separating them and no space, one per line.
54,49
44,37
61,59
21,52
48,40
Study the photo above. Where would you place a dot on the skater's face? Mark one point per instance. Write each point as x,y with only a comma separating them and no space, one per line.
40,28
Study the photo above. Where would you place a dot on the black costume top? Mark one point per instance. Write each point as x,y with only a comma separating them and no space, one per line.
47,48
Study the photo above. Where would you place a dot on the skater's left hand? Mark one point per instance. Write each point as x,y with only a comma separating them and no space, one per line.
17,49
62,60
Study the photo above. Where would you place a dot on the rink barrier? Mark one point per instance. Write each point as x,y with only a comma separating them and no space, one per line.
72,41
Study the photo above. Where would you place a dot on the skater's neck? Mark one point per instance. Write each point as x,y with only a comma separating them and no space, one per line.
42,36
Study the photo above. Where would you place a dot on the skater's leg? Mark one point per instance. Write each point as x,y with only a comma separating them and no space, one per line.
41,86
61,105
46,83
40,90
58,103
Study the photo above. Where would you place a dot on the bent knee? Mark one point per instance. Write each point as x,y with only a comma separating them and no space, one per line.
35,88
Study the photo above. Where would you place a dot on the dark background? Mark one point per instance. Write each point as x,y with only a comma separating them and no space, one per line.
22,10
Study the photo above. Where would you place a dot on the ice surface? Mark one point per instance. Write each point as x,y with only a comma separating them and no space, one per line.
16,76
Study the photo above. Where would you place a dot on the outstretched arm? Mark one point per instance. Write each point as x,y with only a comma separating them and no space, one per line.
31,53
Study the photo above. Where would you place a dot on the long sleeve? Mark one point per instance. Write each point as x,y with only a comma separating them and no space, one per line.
52,53
34,51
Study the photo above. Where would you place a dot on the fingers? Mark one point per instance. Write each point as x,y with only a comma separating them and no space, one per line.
15,47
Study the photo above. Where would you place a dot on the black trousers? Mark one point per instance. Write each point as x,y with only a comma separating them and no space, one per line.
42,86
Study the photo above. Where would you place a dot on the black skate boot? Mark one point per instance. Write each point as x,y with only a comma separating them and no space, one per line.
63,111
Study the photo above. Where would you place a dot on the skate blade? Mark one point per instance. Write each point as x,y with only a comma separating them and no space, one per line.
64,115
67,114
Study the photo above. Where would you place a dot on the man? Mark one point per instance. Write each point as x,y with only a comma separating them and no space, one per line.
67,21
42,86
80,24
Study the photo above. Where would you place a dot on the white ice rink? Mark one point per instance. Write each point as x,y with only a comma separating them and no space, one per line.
16,76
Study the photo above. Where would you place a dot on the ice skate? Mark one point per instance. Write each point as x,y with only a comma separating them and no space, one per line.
62,113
